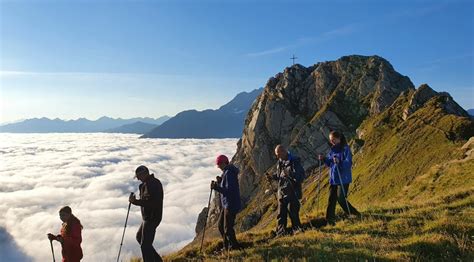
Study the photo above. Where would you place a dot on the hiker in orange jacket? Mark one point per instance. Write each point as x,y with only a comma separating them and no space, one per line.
70,237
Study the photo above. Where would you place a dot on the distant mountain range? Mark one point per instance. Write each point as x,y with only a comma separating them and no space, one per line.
139,125
225,122
471,111
134,128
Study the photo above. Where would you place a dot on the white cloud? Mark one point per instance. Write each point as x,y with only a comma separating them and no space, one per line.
93,173
325,36
269,51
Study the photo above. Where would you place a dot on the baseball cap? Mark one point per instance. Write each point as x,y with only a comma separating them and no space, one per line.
141,170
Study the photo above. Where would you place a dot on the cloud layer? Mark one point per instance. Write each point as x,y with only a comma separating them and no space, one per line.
93,173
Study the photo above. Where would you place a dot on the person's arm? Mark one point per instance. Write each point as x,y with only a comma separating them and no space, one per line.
276,174
222,190
298,173
156,194
346,162
271,176
51,237
232,183
73,239
225,188
327,160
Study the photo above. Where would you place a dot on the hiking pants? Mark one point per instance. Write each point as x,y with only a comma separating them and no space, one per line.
145,237
226,228
336,196
293,206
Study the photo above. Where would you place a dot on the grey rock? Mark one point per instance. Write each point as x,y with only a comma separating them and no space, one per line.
418,99
424,93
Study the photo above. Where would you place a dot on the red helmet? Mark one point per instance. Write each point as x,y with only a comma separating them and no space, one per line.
222,159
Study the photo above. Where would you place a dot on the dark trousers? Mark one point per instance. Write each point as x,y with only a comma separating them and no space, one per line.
145,237
336,196
293,206
226,228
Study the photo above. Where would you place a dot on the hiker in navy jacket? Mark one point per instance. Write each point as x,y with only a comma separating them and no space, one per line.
228,186
339,159
289,174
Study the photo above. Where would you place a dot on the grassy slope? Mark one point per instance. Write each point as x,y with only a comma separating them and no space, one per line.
440,229
412,183
396,152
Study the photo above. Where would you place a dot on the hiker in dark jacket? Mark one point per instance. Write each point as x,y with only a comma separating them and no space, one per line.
151,205
228,186
289,174
339,159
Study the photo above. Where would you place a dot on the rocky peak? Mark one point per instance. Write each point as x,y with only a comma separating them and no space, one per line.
451,107
418,99
300,106
424,93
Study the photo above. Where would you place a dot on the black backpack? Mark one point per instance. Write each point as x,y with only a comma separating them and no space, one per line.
301,176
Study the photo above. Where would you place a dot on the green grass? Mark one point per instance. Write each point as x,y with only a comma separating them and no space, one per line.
437,230
396,152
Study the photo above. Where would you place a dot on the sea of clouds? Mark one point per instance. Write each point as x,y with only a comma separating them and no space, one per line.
93,174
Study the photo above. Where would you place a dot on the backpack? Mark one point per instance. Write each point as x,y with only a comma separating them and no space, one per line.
300,176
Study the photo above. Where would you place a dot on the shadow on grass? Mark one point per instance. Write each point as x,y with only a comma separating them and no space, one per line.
439,251
306,253
314,223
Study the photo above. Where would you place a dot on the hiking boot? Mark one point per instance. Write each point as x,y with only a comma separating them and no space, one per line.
331,222
220,251
236,247
281,234
273,234
297,230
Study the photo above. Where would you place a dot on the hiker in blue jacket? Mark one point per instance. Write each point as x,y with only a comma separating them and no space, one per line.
289,174
228,186
339,160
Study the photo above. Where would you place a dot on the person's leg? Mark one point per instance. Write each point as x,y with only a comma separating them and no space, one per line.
229,228
295,214
282,216
146,245
331,209
341,199
157,256
138,237
220,225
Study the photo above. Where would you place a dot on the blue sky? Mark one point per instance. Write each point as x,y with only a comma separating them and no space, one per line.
71,59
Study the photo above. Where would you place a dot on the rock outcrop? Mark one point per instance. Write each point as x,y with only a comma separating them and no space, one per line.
425,93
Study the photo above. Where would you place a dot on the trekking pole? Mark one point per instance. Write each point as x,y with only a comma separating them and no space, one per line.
343,191
205,222
318,194
52,250
126,219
